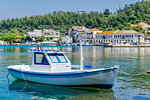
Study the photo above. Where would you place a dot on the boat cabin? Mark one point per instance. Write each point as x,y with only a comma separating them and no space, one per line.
49,61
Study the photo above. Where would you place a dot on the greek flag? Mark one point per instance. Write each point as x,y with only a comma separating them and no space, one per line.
77,33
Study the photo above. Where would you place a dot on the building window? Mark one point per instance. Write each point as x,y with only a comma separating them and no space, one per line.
132,35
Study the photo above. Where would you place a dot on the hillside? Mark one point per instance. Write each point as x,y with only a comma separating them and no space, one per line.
62,21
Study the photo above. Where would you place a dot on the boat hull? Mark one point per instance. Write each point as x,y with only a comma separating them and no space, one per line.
98,78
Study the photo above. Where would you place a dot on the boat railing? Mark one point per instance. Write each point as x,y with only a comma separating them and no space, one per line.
43,51
75,67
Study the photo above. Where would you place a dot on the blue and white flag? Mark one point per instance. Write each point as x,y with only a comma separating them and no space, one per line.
77,33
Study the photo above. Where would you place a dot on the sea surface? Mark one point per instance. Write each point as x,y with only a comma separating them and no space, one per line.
132,83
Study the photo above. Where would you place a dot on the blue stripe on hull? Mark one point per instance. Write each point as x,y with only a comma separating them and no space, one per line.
60,75
105,86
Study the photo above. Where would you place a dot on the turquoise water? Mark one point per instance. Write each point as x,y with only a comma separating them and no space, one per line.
131,61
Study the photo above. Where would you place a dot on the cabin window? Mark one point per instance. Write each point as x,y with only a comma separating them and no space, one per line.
61,58
57,58
53,58
40,59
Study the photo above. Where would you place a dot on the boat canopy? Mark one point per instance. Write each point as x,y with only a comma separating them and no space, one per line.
50,60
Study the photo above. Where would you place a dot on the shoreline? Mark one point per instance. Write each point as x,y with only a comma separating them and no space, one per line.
130,46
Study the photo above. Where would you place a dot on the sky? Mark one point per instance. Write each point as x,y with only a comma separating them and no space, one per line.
20,8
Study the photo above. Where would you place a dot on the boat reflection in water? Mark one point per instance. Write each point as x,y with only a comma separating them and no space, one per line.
42,91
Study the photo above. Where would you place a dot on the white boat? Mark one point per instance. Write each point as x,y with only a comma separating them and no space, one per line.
49,43
2,43
33,43
53,67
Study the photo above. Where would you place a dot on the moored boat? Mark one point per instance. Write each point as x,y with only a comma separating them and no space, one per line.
108,45
53,67
48,43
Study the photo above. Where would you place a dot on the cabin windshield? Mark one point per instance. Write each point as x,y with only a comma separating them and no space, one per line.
57,58
40,59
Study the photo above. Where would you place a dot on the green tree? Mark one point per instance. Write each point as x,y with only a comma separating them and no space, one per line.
10,37
106,12
2,37
47,38
60,38
14,31
51,38
23,38
41,38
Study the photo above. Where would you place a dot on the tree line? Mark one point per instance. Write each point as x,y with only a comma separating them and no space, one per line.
63,21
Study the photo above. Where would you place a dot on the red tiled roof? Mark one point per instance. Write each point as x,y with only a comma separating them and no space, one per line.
106,32
94,29
141,23
119,32
127,32
18,36
79,27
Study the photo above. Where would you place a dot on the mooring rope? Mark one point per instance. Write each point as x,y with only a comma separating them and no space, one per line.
8,78
101,76
131,74
115,81
24,79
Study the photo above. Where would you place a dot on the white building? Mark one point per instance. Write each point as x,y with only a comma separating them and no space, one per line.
90,35
82,32
46,33
36,34
67,40
119,37
51,33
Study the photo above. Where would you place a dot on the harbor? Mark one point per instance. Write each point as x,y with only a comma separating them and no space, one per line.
74,50
132,84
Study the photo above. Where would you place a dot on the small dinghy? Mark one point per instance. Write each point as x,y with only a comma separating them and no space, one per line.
53,67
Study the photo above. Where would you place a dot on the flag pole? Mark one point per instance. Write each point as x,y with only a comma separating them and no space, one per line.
81,55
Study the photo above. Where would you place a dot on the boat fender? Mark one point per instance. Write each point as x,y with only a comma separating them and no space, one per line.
87,66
